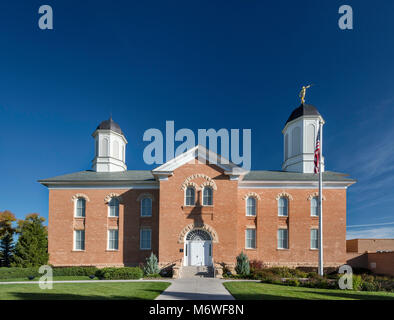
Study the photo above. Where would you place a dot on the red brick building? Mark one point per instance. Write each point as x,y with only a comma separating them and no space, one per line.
194,212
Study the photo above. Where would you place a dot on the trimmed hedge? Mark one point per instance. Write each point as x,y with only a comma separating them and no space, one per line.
16,272
123,273
74,271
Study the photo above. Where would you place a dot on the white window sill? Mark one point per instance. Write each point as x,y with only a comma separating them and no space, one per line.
282,249
112,250
77,250
250,248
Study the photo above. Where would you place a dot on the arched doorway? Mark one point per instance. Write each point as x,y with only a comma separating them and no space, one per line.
198,248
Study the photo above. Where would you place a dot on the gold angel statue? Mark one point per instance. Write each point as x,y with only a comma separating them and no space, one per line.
303,92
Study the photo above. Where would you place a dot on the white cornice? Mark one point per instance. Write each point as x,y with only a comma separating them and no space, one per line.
201,153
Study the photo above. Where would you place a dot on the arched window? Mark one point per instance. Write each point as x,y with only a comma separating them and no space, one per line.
146,207
80,207
104,147
314,207
251,206
296,141
116,149
283,207
310,138
114,207
207,196
190,196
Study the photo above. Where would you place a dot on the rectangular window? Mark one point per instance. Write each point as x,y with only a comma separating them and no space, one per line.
80,208
146,207
250,239
315,207
114,207
283,205
113,239
145,239
79,239
283,241
314,238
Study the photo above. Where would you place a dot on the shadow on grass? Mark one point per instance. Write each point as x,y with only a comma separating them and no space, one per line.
353,295
69,296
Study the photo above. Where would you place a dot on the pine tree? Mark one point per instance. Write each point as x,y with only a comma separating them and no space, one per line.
151,266
6,249
31,249
242,266
6,237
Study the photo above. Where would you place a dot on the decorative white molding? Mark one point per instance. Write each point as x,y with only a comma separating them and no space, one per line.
251,194
112,195
203,154
145,195
202,226
315,194
211,184
208,179
189,184
79,195
284,194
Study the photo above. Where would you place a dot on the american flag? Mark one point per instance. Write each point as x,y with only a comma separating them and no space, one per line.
317,152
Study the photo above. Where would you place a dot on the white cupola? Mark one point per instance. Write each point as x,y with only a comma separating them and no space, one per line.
299,136
110,147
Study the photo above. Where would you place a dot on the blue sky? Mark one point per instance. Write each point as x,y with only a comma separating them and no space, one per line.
203,64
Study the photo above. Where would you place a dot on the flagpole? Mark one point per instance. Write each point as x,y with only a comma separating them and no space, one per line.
321,269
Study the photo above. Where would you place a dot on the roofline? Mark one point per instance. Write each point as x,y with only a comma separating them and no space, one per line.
303,116
96,183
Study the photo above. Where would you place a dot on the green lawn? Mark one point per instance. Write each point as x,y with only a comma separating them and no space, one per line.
55,278
84,291
264,291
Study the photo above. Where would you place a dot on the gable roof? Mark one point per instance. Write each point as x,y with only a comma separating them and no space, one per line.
202,153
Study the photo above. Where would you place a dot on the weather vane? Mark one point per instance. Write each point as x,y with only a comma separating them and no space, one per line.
303,92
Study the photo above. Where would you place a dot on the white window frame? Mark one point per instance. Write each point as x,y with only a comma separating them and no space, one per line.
141,207
281,247
109,240
317,207
116,210
280,214
246,238
194,202
76,208
150,238
82,241
317,239
255,207
203,196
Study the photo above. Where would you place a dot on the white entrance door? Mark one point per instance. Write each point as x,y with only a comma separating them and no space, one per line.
199,253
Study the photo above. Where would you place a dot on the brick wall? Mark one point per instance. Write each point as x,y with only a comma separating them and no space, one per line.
226,219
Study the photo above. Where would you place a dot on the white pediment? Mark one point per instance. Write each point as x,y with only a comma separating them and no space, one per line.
203,155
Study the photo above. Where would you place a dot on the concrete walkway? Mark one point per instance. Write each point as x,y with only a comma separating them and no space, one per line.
196,289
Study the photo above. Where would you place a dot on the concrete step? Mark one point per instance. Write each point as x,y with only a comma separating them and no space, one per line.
197,272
